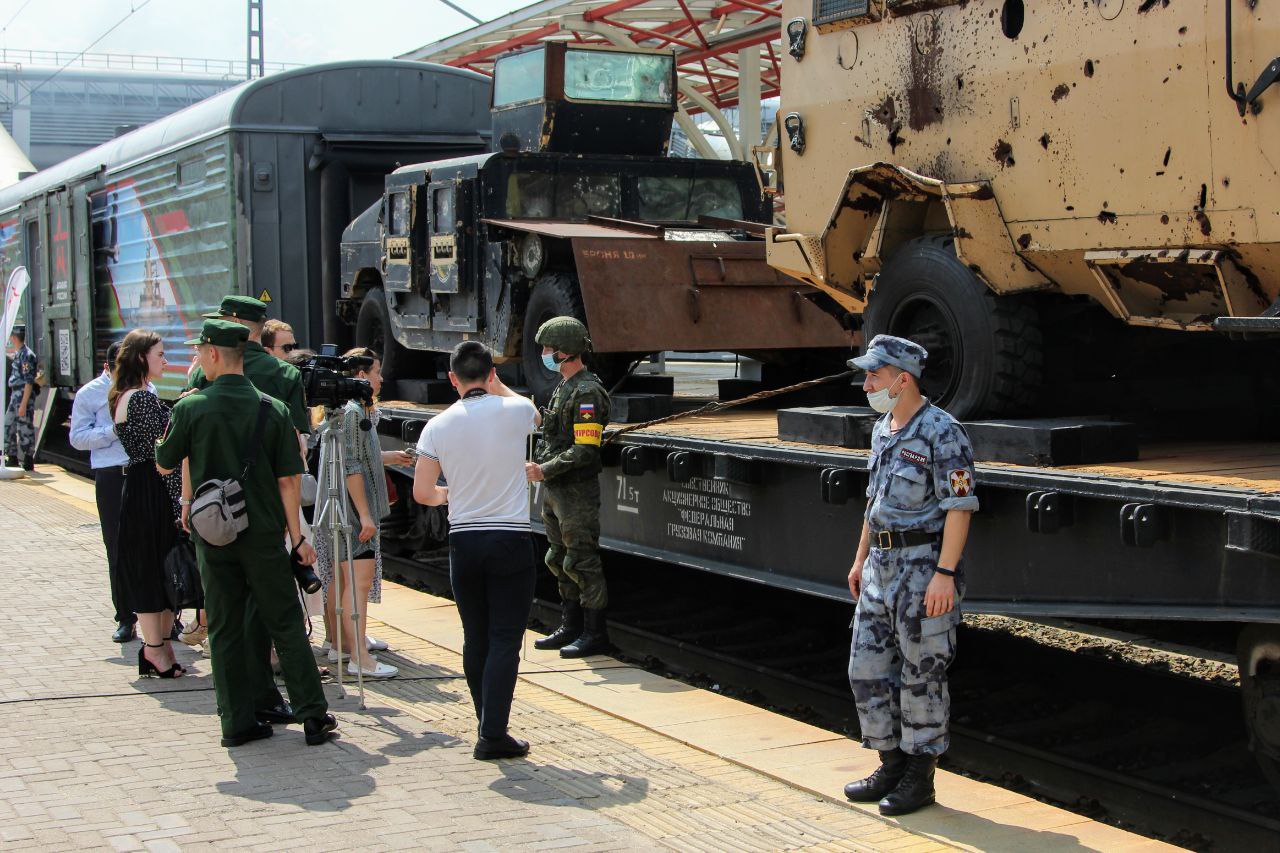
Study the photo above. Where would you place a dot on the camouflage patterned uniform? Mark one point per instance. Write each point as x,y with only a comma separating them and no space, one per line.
569,453
20,432
899,658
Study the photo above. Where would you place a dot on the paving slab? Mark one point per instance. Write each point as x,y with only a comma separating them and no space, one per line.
622,759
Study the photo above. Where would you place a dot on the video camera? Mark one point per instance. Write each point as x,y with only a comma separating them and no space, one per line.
323,382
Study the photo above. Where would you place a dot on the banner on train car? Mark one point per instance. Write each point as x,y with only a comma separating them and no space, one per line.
13,290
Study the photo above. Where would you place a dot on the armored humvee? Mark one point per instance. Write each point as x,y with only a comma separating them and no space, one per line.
1072,205
577,212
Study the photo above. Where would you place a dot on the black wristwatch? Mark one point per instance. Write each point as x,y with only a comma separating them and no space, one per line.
948,572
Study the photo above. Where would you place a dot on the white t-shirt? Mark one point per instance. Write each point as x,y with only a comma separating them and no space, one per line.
480,445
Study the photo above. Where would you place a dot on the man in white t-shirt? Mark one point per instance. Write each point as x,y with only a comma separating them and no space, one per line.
478,443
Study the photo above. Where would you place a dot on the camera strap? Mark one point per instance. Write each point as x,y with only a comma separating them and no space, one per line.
255,440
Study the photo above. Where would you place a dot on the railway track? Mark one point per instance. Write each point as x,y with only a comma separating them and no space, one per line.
1160,754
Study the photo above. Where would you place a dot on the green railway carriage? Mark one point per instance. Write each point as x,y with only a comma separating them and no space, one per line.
246,192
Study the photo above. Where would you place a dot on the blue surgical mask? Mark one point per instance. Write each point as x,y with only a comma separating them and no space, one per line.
549,362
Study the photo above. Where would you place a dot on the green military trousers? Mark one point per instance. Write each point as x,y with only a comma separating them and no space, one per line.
571,514
254,573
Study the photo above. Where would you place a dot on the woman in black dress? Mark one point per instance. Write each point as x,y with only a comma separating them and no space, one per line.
149,510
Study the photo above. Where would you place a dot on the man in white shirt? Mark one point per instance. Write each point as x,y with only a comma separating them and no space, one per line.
479,445
93,429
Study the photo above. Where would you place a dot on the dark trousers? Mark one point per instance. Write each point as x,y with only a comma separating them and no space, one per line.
108,484
493,575
254,572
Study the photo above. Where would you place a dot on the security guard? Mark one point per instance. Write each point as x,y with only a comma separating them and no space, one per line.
210,429
20,438
275,378
907,578
568,461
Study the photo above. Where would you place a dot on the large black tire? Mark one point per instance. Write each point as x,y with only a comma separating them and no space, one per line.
985,351
1258,653
373,330
556,294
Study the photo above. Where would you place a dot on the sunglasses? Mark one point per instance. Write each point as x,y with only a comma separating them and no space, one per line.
288,347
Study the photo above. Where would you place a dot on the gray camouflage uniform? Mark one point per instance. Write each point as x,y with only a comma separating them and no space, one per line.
20,439
899,658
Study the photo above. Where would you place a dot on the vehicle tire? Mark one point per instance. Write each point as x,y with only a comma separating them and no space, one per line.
373,330
1258,653
985,351
555,295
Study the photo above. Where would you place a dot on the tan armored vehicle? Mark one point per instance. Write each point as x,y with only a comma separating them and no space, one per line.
1049,196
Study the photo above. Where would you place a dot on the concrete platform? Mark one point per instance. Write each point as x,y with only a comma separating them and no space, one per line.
96,758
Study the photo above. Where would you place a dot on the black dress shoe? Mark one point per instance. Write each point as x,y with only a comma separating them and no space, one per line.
124,633
258,732
318,729
489,748
280,715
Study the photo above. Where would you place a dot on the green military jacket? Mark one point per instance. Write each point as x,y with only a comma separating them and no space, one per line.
211,427
572,430
272,377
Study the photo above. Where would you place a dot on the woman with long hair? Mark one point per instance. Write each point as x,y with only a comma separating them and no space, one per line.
149,505
368,504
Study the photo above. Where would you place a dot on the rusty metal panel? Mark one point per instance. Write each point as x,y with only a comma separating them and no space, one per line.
567,229
644,295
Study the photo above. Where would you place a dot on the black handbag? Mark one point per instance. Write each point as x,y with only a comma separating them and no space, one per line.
182,576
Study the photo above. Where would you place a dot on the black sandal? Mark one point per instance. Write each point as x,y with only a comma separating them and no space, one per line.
148,669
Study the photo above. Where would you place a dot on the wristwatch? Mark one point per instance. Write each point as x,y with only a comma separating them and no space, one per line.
948,572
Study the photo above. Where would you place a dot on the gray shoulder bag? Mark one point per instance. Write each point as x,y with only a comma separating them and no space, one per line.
218,511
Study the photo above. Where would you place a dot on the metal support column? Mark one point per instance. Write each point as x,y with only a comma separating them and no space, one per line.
749,98
254,66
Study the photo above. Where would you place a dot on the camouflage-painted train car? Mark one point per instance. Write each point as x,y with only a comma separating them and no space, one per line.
246,192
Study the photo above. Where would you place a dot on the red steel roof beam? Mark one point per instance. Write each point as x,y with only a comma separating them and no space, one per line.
726,47
502,47
601,12
650,34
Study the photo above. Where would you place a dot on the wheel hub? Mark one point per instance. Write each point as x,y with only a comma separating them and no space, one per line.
931,326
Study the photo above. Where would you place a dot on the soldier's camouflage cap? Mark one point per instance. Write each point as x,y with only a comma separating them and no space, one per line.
220,333
242,307
566,334
887,350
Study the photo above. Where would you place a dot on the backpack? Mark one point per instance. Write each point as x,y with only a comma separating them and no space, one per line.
218,510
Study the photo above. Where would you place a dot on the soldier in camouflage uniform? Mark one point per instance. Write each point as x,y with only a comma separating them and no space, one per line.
907,578
568,460
20,430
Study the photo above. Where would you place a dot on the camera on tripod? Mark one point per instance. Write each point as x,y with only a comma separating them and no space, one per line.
323,381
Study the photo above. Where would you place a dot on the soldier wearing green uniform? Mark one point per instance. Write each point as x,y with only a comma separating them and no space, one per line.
211,429
277,379
568,461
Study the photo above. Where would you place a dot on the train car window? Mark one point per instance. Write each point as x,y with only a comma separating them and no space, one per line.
191,172
518,78
596,75
398,205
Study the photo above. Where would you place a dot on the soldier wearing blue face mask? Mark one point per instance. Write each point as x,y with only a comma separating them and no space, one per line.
568,461
907,578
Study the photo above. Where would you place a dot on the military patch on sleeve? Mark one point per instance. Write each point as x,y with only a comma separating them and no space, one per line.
587,411
913,456
588,433
961,482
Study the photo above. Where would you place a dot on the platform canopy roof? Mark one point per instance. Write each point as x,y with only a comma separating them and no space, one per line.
706,36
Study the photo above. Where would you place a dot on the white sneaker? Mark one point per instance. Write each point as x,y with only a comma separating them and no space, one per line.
380,670
333,656
374,644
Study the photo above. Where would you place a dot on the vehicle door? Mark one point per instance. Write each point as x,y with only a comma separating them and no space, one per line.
399,221
451,249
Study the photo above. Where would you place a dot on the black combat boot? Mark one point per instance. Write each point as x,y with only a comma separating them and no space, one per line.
915,791
594,639
570,628
28,463
893,764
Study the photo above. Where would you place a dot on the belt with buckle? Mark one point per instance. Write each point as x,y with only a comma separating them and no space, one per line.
886,540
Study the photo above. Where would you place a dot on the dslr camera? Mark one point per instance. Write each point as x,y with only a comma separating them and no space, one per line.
324,384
